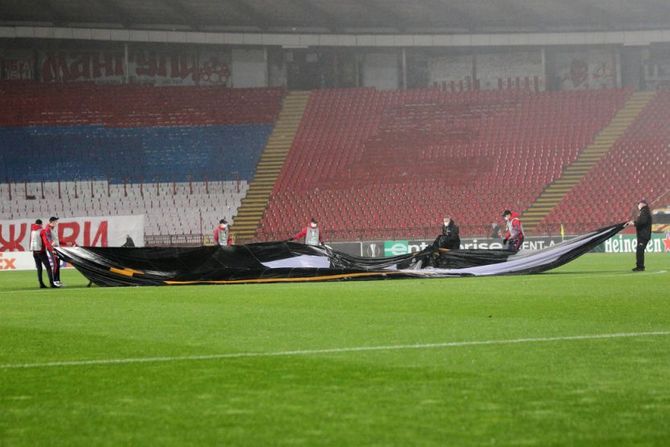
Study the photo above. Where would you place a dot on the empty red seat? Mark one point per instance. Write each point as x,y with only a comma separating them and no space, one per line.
394,163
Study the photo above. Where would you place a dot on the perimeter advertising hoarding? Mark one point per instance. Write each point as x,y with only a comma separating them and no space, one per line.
101,231
104,231
660,243
400,247
20,260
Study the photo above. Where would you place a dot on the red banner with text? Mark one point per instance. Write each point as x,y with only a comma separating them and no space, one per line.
106,231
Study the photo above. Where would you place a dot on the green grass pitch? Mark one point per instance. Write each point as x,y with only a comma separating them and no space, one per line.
576,356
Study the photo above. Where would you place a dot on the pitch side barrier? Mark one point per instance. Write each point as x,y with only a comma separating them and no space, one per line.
660,243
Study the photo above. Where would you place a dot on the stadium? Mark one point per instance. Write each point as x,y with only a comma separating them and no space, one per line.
277,167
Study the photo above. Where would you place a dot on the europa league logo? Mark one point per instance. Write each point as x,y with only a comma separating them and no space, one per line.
373,250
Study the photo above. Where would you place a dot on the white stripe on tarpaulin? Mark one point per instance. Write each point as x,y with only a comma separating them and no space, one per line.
302,261
309,352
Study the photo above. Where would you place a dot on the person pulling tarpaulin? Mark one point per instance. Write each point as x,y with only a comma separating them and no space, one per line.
642,224
51,233
40,245
449,239
514,235
222,234
311,234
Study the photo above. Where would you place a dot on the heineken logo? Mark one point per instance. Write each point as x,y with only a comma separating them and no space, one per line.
395,248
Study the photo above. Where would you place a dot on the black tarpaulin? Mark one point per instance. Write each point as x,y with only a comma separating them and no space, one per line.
293,262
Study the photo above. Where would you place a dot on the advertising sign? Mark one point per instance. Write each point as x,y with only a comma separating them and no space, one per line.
659,243
20,260
107,231
395,248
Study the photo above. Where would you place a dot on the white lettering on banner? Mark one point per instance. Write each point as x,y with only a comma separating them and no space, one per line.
415,248
532,245
108,231
398,249
395,248
628,244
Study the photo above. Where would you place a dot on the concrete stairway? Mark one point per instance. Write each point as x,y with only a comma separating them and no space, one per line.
269,166
573,173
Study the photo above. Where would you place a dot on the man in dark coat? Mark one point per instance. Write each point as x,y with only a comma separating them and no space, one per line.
643,232
449,238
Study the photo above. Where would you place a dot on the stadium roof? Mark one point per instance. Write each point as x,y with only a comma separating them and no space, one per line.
343,16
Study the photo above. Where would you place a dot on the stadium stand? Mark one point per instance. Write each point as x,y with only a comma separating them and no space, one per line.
133,133
367,164
383,164
635,168
134,105
187,153
587,159
170,208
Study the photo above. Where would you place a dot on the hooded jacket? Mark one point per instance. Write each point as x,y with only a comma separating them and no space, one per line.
449,238
45,235
36,238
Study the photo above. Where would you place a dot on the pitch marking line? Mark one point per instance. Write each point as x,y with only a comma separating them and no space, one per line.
308,352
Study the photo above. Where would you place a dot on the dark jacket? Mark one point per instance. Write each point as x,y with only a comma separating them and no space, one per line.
449,237
643,224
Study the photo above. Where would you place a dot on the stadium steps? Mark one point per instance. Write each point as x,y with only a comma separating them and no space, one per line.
592,154
269,166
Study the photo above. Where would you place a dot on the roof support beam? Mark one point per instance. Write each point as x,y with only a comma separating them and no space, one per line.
183,13
386,14
534,39
114,9
322,18
464,18
261,20
55,13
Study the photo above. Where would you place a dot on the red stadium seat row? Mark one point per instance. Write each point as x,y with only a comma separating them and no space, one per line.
26,104
636,168
364,160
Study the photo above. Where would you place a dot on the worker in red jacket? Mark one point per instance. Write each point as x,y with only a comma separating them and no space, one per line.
222,235
514,235
39,244
311,234
51,233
